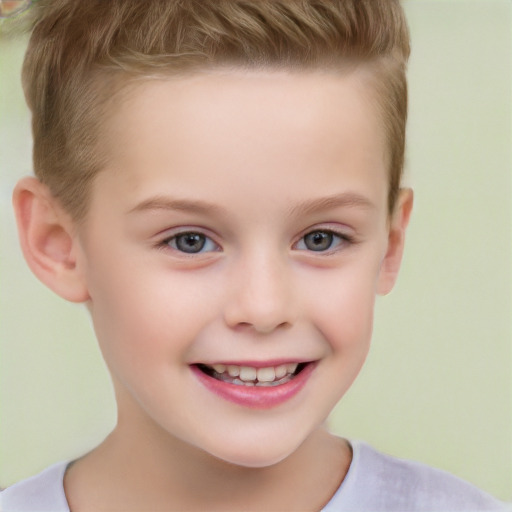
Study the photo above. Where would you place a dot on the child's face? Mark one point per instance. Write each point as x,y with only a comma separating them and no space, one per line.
242,220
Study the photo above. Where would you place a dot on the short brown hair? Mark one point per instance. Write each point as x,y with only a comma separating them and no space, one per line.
79,51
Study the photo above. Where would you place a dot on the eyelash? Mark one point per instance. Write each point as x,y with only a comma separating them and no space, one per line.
172,242
343,240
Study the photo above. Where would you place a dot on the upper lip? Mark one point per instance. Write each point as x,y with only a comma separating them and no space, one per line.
256,364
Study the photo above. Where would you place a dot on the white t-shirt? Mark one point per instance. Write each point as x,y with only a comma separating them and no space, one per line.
374,483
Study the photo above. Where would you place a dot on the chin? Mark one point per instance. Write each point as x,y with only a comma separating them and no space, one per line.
254,454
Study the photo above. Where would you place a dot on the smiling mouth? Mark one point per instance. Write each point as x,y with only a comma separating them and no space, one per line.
250,376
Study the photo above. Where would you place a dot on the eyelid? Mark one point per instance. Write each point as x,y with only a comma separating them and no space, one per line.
167,235
347,238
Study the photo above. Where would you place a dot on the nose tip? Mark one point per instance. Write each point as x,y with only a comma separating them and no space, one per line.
261,300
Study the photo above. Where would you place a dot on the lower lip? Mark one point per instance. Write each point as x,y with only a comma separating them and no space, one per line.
256,397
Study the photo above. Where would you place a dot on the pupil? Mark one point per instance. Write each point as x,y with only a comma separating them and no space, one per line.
318,241
190,242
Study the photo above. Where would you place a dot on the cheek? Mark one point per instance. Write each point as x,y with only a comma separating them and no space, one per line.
344,308
144,317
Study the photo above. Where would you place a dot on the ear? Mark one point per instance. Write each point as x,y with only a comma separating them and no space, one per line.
396,239
47,240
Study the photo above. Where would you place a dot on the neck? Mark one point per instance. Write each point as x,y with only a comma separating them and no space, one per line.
141,467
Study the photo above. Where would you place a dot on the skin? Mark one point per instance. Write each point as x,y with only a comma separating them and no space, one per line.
254,161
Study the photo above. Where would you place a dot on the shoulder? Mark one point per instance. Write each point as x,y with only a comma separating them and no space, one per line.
41,493
379,482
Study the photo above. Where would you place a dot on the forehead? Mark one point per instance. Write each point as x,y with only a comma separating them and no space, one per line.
276,129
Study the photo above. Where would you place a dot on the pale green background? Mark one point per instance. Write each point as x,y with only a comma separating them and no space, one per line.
438,383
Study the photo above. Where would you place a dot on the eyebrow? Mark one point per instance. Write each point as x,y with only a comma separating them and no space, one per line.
347,199
344,200
184,205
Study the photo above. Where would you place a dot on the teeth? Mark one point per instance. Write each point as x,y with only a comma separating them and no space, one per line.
291,367
281,371
266,374
234,371
239,382
247,373
249,376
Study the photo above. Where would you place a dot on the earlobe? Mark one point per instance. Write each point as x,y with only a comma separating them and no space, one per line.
47,240
396,239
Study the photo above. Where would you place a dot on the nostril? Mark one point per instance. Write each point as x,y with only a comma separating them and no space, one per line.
268,328
261,307
260,328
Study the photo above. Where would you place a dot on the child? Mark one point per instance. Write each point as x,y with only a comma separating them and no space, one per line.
220,183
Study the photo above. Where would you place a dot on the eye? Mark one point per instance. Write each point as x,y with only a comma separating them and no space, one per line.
321,240
191,243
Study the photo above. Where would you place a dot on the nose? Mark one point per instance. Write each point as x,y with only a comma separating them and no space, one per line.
261,297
